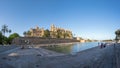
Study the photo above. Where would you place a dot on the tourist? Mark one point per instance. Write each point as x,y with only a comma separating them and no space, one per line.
114,45
101,46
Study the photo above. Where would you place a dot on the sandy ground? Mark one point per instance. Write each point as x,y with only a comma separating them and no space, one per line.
96,57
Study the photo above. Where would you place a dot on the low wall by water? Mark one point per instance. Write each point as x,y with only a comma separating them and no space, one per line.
39,40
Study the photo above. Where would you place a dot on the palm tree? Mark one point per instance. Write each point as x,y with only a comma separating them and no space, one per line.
5,30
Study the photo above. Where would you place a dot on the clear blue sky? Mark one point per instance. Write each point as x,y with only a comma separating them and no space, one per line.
94,19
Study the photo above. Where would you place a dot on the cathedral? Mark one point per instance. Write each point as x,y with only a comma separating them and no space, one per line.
55,32
37,32
63,33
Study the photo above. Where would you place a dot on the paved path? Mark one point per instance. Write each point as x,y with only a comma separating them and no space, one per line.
6,48
9,51
94,58
108,57
117,55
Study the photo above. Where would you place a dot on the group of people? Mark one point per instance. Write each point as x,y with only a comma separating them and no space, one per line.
102,45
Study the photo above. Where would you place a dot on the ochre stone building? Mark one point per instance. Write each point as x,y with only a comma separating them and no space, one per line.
55,32
36,32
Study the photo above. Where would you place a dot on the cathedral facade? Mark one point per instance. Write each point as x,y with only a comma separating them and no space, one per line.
55,32
37,32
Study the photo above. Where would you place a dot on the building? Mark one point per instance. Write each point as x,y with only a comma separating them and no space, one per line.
81,39
35,32
118,38
55,32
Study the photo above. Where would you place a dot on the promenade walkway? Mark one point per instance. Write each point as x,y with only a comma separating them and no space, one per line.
108,57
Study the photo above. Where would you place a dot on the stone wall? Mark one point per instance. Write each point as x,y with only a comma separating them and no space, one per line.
39,40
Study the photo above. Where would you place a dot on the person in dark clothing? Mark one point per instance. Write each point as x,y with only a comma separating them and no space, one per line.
101,46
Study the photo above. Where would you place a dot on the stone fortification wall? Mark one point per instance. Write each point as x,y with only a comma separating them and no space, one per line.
39,40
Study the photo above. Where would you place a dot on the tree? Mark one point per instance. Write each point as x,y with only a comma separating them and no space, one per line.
1,37
12,36
46,33
28,33
5,41
117,35
4,30
117,32
59,33
24,33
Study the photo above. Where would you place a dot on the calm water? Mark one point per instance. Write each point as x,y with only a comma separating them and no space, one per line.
72,48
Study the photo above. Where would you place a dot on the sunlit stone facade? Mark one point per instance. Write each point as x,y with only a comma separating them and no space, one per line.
63,32
55,32
37,32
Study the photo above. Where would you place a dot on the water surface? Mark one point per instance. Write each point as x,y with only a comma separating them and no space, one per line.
72,48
